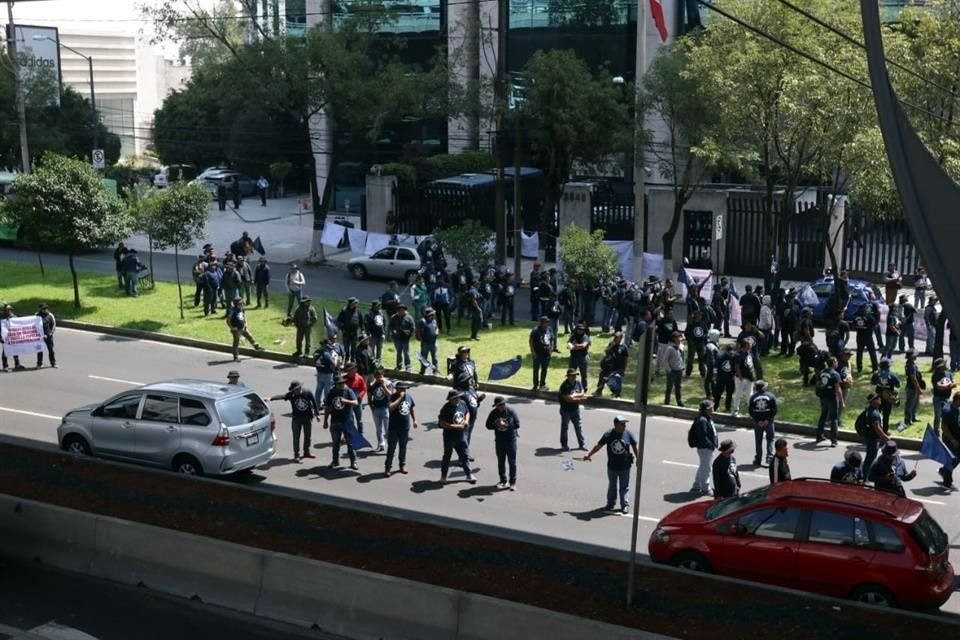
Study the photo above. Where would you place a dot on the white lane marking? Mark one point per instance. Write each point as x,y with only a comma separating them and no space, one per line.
648,518
117,380
927,501
695,466
30,413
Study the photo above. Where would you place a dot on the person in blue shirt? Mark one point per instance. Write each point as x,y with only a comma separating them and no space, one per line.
889,473
402,416
304,411
338,414
763,408
427,332
849,470
454,419
504,423
571,396
951,438
379,393
831,400
621,448
886,382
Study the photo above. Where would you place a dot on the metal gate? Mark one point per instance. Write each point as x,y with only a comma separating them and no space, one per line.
870,245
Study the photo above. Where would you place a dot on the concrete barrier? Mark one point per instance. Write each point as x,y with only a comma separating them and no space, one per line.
341,600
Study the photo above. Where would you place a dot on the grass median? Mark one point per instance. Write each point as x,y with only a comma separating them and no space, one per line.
156,311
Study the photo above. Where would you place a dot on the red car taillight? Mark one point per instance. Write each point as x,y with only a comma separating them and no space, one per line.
222,439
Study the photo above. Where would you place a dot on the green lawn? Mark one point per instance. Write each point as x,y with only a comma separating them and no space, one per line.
156,310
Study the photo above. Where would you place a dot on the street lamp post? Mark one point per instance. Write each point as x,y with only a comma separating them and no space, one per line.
93,94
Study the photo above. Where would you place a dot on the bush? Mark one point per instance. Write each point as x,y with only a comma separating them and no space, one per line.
406,175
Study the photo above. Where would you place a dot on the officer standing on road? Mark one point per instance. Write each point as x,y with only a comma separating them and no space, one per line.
304,412
541,342
453,419
873,431
849,470
504,423
703,438
572,395
401,416
779,467
328,360
237,323
724,375
338,414
696,334
763,408
831,400
726,478
621,447
49,326
378,399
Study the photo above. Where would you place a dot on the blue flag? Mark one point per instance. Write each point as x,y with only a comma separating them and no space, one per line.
615,383
258,246
682,277
934,449
329,322
504,370
354,437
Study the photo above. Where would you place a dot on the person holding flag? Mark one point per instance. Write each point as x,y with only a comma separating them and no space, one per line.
338,417
948,455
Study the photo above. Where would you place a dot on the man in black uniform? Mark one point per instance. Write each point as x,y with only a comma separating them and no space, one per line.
453,420
749,306
870,427
339,413
402,328
349,322
849,470
726,477
887,382
614,362
831,399
571,395
763,408
724,374
579,348
541,343
907,331
889,473
374,323
401,416
504,423
304,411
863,324
696,334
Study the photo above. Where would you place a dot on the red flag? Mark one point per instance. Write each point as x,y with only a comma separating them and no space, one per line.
656,12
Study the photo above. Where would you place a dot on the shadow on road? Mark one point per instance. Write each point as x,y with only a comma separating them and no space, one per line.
370,477
422,486
812,446
681,497
936,490
479,491
327,473
276,462
542,452
217,363
593,514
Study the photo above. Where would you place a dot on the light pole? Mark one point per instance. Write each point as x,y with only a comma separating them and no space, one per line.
93,95
18,81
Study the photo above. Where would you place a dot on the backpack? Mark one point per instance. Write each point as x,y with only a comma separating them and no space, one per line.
861,426
692,435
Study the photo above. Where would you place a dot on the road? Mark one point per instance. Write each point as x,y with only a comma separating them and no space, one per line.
41,603
554,498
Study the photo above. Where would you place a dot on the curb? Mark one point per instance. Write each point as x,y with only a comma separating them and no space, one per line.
682,413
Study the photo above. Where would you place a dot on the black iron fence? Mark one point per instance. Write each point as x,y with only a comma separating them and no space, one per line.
870,245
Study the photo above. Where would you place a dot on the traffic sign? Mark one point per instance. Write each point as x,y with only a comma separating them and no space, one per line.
718,228
99,159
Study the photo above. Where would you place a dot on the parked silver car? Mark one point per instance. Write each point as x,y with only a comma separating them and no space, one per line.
393,262
191,426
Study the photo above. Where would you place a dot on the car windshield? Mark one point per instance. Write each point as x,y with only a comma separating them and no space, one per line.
240,410
928,534
823,289
730,505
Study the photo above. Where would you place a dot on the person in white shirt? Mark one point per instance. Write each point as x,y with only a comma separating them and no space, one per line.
262,186
295,281
765,324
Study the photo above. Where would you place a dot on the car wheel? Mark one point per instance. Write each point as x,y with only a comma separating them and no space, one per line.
411,275
187,465
691,562
873,594
358,271
76,445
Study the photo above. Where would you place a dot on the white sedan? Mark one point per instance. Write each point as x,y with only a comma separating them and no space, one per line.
392,262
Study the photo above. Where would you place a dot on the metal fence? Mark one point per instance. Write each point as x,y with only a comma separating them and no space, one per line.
870,245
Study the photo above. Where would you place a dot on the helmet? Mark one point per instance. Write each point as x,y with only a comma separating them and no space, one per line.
713,336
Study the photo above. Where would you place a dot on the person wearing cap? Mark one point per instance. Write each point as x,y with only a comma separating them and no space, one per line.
762,407
366,363
419,297
378,399
702,436
779,467
863,323
930,318
886,383
338,417
914,387
725,377
579,347
295,281
889,472
349,324
304,318
666,325
442,300
951,438
230,281
237,323
473,301
541,343
908,314
830,395
535,292
427,333
358,385
613,363
894,330
726,477
209,283
327,360
892,280
402,328
463,372
571,396
622,447
233,379
545,294
942,387
453,419
849,470
674,365
374,325
401,416
748,330
744,374
696,334
261,283
871,428
304,410
49,326
505,423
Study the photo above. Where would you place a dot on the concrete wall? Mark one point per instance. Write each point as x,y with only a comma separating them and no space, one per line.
340,600
661,213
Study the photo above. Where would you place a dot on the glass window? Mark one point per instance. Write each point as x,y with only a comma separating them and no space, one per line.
928,533
771,523
823,289
730,505
193,412
161,409
830,528
886,539
405,254
861,534
122,407
242,410
384,254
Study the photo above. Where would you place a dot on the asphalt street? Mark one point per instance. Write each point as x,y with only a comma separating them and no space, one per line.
558,495
40,603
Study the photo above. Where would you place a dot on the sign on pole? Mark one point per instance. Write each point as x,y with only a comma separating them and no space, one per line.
718,228
99,159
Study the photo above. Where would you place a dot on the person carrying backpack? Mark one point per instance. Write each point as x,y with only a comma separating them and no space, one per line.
869,426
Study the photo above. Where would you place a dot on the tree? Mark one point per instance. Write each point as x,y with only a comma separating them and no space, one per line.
584,257
572,115
278,173
205,36
470,244
63,205
175,217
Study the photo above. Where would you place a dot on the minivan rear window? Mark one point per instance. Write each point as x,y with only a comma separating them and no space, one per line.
735,504
240,410
928,534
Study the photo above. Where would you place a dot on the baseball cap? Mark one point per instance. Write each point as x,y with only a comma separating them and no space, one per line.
498,401
620,418
727,445
890,447
233,374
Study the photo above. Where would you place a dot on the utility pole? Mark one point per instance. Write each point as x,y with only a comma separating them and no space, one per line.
500,105
18,81
517,196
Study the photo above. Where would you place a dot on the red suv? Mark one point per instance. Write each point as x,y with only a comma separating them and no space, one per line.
839,540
